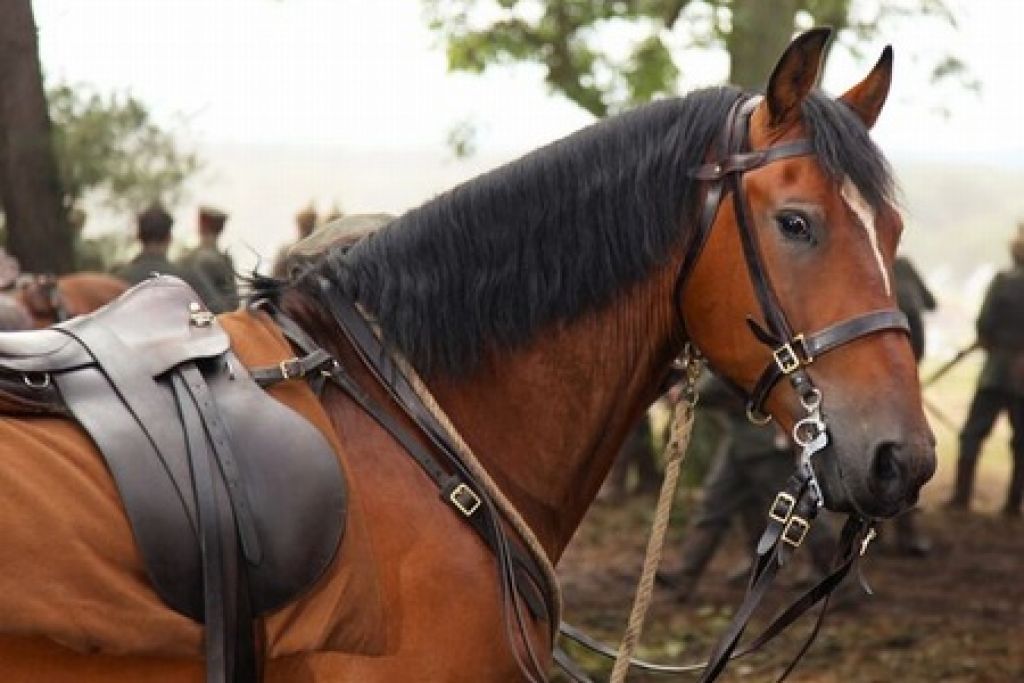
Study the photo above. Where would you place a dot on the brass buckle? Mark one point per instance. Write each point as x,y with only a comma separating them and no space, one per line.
782,507
290,368
465,499
795,531
788,360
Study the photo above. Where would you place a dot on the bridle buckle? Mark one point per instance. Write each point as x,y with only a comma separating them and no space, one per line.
464,499
782,507
792,355
795,531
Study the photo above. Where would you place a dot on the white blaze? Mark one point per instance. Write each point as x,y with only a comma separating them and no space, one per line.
853,198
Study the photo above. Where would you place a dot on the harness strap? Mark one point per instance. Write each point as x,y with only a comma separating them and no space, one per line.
229,633
465,498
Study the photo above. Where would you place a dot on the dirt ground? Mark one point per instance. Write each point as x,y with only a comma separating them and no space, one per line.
955,616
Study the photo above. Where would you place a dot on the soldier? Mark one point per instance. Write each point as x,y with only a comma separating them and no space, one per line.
305,223
914,299
154,232
748,469
1000,328
213,266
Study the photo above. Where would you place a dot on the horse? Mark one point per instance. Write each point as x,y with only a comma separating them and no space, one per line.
542,305
52,299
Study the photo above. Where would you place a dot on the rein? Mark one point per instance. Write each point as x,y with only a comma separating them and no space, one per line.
460,487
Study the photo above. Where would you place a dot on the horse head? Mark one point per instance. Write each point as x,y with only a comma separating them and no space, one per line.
806,209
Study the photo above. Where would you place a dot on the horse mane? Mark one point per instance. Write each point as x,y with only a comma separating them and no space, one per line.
558,233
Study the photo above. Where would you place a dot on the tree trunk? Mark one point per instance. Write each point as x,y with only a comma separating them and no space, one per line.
760,32
37,230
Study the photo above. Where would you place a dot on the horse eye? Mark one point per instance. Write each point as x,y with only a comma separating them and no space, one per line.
795,227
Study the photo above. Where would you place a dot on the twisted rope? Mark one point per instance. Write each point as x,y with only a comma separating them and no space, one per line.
504,504
675,450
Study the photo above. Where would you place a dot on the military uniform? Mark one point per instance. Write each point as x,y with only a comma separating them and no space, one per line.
913,298
146,264
750,466
216,272
1000,386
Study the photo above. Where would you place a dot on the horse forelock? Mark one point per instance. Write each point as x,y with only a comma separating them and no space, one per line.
543,240
845,150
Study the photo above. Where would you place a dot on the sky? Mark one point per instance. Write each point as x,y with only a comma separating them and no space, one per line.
369,74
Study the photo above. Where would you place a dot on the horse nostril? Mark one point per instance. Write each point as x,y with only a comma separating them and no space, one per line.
887,473
885,467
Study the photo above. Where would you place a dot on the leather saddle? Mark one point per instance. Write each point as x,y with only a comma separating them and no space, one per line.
236,502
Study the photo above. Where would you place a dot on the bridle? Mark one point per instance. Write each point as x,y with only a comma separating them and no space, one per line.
797,504
791,352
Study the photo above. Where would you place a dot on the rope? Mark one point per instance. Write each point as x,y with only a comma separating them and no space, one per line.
675,450
503,503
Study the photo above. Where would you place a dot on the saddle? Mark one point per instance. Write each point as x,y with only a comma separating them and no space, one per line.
236,502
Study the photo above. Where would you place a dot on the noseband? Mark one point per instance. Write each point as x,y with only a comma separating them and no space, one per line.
791,352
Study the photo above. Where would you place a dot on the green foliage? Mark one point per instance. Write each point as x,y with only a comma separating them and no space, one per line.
110,146
569,38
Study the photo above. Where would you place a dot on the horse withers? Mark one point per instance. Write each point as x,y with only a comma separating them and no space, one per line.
542,305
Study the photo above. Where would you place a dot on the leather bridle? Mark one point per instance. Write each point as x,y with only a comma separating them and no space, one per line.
798,503
791,352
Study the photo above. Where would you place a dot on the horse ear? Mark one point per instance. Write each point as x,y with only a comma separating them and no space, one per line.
795,75
867,97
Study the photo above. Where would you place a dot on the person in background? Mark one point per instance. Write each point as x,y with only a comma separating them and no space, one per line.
154,233
214,268
305,223
1000,328
914,299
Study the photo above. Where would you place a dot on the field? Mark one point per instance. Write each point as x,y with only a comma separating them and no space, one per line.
956,615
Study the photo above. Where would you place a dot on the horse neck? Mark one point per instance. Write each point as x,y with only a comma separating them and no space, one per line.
547,421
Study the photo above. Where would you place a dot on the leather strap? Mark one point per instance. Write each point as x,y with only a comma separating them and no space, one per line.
531,580
806,348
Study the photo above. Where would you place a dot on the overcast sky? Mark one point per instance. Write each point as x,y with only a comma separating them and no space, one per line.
368,74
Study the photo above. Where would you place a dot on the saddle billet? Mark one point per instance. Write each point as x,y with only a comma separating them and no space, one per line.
151,378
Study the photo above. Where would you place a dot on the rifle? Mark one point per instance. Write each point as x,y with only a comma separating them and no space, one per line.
950,364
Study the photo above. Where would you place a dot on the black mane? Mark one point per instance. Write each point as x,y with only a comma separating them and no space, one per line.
558,233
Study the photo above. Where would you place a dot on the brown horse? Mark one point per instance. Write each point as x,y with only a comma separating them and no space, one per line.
52,299
543,304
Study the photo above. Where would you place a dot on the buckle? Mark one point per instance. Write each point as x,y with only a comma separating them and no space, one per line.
290,368
782,507
788,359
795,531
465,499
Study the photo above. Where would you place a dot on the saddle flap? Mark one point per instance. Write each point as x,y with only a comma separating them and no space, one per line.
162,321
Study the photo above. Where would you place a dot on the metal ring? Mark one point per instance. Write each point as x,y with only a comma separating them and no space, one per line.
812,400
810,421
36,384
